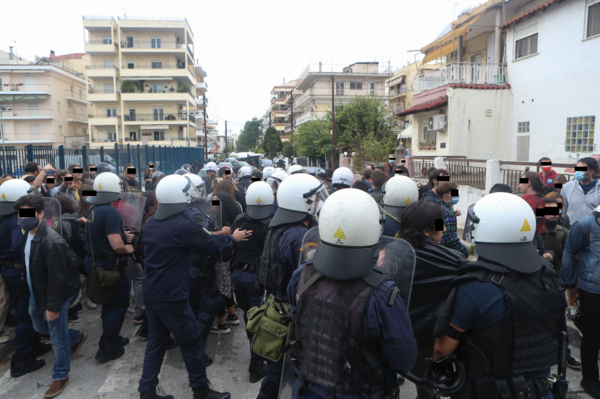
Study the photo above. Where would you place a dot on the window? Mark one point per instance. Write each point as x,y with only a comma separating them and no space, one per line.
427,139
372,92
403,90
159,136
109,88
111,136
580,134
159,114
106,40
130,64
35,132
155,42
60,130
74,130
523,127
157,88
58,106
593,20
355,85
111,112
129,41
84,131
156,64
132,136
108,64
132,116
339,88
526,40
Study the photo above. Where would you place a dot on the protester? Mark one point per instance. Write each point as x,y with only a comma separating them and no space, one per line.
563,218
66,188
361,185
581,195
92,169
547,175
77,172
366,177
8,176
130,172
390,166
329,173
432,175
537,204
532,184
87,178
378,179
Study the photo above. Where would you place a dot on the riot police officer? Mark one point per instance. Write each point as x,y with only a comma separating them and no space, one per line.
260,205
296,169
169,238
245,178
296,197
397,193
27,344
502,313
106,246
352,330
342,178
105,167
267,172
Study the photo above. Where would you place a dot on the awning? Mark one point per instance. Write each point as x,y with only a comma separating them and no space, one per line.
449,42
155,127
396,81
22,97
407,134
428,106
147,78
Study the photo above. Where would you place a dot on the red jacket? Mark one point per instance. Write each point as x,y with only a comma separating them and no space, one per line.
550,178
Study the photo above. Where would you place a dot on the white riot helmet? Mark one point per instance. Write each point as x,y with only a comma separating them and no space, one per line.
212,166
267,172
10,192
108,187
349,238
296,169
276,179
198,183
296,199
173,195
398,193
504,227
343,176
244,171
260,200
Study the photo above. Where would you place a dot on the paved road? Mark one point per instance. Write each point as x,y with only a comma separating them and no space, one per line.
119,379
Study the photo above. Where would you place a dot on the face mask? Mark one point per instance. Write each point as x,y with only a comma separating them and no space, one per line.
454,200
89,200
579,176
551,223
39,190
547,168
390,160
29,223
538,221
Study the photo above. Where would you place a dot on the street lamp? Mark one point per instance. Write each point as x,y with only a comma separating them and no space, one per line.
2,109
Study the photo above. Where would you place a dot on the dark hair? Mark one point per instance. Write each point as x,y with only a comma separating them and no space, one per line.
500,188
322,175
444,187
361,185
60,176
7,175
536,182
150,200
29,178
86,176
91,166
544,159
229,208
547,200
591,163
84,206
433,175
379,168
554,195
329,173
379,178
257,173
34,201
225,187
73,166
367,174
417,217
66,205
31,167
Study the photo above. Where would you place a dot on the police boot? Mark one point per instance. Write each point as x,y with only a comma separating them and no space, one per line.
21,366
143,330
110,349
151,394
257,370
207,393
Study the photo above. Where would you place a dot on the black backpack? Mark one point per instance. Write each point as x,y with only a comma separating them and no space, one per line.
77,235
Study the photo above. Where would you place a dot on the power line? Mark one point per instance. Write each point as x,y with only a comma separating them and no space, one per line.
223,119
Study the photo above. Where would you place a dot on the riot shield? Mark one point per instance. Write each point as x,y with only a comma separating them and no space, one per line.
309,244
397,260
131,209
52,214
212,210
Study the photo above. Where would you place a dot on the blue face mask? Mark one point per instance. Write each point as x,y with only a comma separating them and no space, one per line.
28,224
390,160
454,200
39,190
579,176
88,199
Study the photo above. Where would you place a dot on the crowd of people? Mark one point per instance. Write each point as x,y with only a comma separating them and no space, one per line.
347,284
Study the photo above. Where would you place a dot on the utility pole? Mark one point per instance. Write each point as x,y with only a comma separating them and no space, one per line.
292,115
270,141
225,139
205,133
333,122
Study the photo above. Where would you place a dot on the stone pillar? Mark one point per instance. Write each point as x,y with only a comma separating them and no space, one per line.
493,174
439,162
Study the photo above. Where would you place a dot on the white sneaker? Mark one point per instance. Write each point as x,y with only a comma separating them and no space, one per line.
90,304
4,339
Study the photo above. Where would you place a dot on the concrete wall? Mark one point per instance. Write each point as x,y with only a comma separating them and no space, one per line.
561,81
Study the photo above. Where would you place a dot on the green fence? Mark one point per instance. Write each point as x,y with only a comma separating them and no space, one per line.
166,159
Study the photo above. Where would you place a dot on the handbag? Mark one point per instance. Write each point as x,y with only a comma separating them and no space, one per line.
270,323
102,283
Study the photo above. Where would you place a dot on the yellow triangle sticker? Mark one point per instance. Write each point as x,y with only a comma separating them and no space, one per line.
408,201
525,226
3,196
99,186
258,200
339,234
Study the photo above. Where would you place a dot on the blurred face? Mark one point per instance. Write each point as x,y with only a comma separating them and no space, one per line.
435,235
523,187
88,181
77,176
131,172
552,217
68,180
50,182
588,173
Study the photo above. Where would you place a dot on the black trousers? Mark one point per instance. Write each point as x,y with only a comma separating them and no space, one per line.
590,343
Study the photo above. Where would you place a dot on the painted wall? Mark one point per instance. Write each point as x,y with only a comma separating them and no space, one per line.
560,82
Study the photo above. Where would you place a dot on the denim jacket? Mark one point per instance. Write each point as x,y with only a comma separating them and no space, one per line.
584,237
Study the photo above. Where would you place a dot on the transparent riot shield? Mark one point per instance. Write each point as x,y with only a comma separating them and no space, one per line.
131,209
52,214
309,244
397,260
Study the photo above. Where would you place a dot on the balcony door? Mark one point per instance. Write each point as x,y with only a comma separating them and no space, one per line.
476,68
109,64
33,108
339,88
30,83
159,136
111,112
132,114
133,136
129,41
155,42
112,136
109,88
159,114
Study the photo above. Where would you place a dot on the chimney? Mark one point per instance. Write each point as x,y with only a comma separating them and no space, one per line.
52,54
12,55
320,67
283,80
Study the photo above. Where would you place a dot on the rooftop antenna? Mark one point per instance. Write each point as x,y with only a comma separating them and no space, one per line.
124,14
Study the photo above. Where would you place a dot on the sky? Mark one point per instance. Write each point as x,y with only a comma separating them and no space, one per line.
247,47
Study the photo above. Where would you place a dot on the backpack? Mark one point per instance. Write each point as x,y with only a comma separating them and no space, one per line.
77,236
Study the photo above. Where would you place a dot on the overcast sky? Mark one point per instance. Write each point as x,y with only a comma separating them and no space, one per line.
247,47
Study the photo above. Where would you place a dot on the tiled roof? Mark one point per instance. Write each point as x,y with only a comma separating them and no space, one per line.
529,13
66,56
428,106
480,87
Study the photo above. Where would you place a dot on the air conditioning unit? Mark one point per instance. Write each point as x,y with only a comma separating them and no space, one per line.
436,122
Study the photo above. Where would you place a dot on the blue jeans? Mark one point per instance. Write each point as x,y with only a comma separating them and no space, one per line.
246,293
61,338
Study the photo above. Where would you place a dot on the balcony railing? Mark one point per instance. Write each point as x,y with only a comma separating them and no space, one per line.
157,117
288,128
25,87
77,116
109,41
26,112
101,67
103,91
102,116
462,73
148,44
305,117
150,66
27,136
99,17
342,91
75,94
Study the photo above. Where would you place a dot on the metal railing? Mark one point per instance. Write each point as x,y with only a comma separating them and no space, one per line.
75,94
464,172
150,66
155,117
326,91
513,171
105,17
148,44
176,19
102,116
26,136
100,42
26,112
367,68
462,73
77,116
288,128
103,91
27,87
101,67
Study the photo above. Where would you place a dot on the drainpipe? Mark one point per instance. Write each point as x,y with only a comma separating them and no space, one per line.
497,37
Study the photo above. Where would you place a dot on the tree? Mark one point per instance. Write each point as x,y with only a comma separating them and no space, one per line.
272,142
313,139
249,135
287,149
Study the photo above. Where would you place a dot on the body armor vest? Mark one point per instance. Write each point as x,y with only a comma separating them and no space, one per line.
249,252
519,345
329,325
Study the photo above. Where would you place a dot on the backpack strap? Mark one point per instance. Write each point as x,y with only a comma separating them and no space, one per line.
306,286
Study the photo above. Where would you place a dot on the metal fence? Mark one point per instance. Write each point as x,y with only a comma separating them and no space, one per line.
511,177
166,159
466,173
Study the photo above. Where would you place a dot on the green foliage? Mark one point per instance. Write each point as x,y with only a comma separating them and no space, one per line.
287,149
128,87
184,88
313,139
249,135
271,142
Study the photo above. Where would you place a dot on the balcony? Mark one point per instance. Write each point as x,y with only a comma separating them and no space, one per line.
305,117
26,113
160,117
101,47
76,96
151,72
288,129
201,87
77,117
103,120
20,89
164,96
29,138
152,46
462,73
101,71
96,95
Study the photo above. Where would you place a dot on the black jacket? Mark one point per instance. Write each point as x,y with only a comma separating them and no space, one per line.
436,267
54,277
430,196
423,190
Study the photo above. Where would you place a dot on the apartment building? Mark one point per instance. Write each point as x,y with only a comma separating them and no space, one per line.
279,106
48,104
143,83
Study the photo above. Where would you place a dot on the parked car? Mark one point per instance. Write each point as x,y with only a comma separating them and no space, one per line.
313,170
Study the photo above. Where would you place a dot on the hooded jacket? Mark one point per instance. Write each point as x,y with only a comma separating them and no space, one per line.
576,204
549,179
